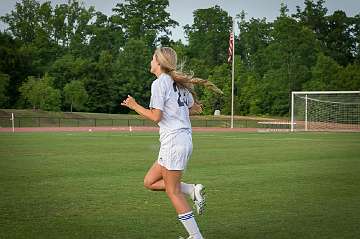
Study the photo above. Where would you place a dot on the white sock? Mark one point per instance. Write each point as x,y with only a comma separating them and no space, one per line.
187,188
188,220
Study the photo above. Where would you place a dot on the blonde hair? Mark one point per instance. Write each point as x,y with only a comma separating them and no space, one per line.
167,58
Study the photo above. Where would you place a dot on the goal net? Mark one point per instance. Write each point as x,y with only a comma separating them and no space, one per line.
325,110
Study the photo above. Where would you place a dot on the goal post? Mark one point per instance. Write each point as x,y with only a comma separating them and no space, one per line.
325,111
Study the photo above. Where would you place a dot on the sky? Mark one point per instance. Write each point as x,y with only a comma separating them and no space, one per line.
182,10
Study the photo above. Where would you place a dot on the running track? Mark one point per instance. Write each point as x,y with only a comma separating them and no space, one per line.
120,129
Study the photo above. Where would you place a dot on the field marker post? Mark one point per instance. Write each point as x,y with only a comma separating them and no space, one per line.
13,122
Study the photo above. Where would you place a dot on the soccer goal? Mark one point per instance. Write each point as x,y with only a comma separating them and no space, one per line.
325,111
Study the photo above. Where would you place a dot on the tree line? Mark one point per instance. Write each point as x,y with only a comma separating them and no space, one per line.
72,57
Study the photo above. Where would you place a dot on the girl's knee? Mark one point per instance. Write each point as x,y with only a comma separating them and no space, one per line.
147,183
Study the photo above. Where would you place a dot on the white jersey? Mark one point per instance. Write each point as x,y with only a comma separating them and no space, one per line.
174,102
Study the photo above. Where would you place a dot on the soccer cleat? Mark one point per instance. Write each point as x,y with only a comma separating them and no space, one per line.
198,196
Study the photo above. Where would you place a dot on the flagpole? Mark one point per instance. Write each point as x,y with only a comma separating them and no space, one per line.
232,77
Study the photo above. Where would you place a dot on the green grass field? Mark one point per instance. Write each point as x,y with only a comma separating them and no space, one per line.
259,185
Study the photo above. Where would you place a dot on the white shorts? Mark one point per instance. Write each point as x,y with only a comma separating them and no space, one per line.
175,150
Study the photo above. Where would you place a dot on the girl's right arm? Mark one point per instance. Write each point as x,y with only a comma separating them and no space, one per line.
151,114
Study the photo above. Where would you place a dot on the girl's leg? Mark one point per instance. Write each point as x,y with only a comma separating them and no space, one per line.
153,179
172,180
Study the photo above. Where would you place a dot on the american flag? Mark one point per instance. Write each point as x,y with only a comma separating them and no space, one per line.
231,46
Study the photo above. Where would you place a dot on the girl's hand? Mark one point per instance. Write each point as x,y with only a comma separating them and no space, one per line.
196,109
129,102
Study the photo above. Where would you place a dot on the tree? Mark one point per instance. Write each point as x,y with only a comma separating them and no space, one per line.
23,21
40,94
78,24
340,40
356,25
31,23
323,74
110,55
68,68
336,33
132,73
75,95
181,52
250,96
327,74
16,62
71,23
104,35
144,19
43,49
254,38
349,78
289,58
276,92
313,16
59,24
4,83
100,85
209,35
212,101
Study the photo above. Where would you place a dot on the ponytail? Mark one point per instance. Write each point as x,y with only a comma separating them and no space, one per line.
167,58
188,82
